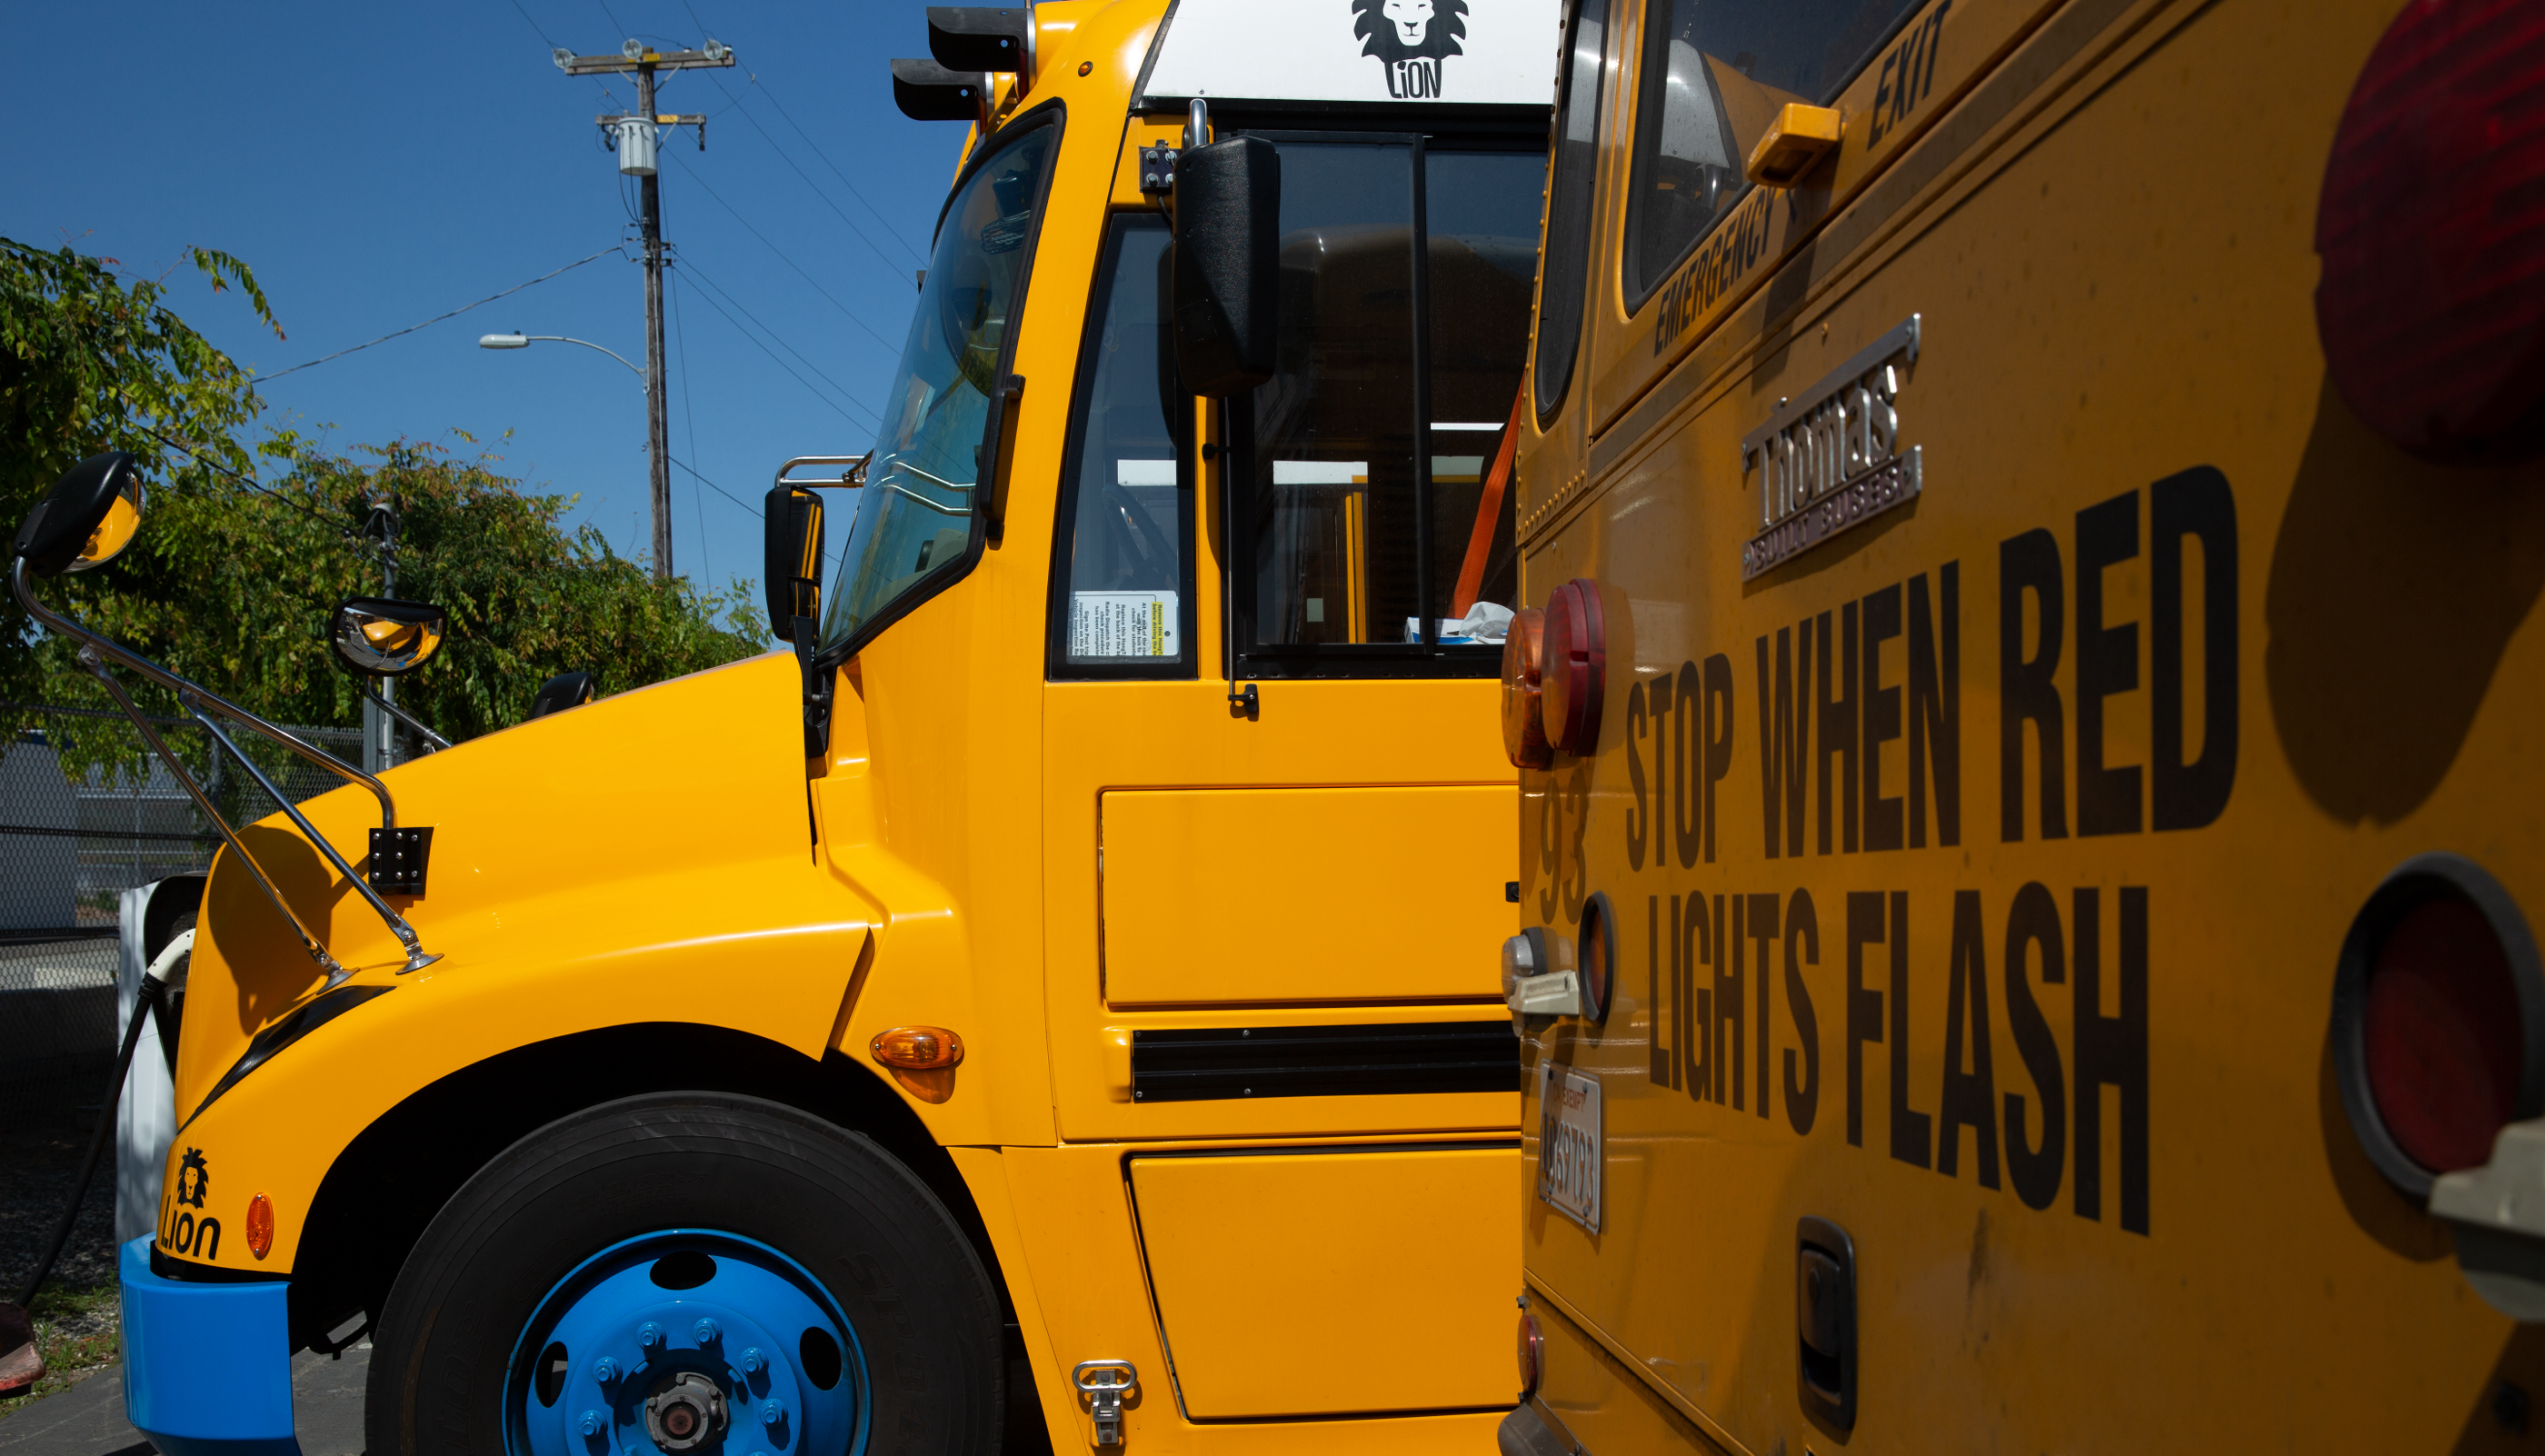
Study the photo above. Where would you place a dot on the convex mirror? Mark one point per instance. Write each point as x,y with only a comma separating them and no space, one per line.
381,637
89,517
1227,266
793,566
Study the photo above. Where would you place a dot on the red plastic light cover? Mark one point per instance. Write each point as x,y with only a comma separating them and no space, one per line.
1532,1354
1575,678
1524,710
2432,227
2441,1032
260,1226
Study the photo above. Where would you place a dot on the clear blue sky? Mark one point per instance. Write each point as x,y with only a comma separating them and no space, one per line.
376,165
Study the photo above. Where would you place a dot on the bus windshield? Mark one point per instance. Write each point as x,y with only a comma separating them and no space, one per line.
915,521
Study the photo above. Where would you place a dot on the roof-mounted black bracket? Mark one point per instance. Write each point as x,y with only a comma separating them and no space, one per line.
928,92
982,37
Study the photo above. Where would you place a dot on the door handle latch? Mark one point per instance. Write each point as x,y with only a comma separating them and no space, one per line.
1104,1383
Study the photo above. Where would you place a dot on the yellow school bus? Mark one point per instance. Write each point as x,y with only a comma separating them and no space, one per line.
2031,515
1043,1004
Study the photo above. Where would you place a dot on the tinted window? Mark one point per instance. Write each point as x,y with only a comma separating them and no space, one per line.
1714,73
1356,483
915,521
1581,78
1334,507
1480,212
1124,606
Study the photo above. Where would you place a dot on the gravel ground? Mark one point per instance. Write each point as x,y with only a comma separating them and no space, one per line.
76,1316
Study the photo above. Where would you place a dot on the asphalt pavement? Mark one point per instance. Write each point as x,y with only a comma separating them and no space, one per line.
88,1418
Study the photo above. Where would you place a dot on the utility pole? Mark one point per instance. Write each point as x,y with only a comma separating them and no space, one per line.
379,729
636,135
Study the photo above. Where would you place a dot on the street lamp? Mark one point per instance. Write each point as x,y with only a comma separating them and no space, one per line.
525,341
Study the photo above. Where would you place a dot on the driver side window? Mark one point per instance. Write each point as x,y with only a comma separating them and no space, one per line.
1122,582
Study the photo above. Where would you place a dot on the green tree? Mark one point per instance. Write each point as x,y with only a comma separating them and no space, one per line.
232,582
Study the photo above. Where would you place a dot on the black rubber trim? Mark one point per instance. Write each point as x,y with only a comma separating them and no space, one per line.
2436,875
1524,1432
1391,1058
185,1271
269,1043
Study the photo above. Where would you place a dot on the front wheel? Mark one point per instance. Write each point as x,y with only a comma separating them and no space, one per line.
689,1274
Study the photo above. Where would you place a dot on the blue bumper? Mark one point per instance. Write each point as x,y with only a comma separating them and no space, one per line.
206,1367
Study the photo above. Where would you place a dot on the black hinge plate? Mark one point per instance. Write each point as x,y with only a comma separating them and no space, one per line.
1158,169
398,857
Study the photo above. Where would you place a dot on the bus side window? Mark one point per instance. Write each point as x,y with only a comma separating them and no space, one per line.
1122,565
1582,82
1713,76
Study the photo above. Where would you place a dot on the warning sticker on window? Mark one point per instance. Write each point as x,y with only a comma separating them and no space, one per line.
1131,625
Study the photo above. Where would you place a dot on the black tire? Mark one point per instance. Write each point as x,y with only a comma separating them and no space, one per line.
886,1249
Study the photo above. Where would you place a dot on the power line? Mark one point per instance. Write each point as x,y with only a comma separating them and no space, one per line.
845,392
782,257
436,318
781,363
718,489
835,169
888,259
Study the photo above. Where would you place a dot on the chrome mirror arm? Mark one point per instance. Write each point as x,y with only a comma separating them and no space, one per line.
108,647
416,958
96,649
94,662
409,719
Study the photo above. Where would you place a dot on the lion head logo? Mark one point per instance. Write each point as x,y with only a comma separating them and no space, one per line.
194,1179
1410,39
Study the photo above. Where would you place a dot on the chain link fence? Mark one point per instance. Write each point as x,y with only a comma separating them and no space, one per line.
74,834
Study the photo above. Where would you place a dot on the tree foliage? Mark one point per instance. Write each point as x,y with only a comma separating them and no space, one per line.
232,581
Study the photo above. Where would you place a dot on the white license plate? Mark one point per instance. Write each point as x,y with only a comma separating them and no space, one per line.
1568,1143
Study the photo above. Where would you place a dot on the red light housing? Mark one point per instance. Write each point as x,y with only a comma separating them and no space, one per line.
260,1226
1532,1356
1575,676
2432,229
2438,1019
2441,1028
1524,710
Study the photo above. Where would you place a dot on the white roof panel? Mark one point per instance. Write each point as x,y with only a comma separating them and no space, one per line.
1466,52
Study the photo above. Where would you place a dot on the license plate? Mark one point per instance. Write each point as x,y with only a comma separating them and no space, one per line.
1568,1143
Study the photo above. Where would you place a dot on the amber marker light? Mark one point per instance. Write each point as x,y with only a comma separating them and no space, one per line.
260,1226
1524,715
919,1048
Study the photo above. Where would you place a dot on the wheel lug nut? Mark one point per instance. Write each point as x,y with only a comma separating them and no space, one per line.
753,1362
605,1370
706,1332
650,1335
594,1422
771,1413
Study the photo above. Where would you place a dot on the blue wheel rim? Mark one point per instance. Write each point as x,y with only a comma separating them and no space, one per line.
688,1308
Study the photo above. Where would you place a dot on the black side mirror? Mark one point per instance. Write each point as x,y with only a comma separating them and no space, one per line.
87,520
1227,265
563,691
794,565
380,637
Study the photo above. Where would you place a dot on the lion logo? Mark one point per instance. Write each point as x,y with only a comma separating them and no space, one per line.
1410,39
194,1179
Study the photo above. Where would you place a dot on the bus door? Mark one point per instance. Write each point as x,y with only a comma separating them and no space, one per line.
1279,830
